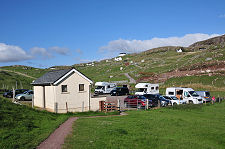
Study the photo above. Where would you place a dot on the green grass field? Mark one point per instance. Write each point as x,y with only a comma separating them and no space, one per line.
190,126
25,128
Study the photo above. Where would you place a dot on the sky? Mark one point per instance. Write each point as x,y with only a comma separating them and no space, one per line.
45,33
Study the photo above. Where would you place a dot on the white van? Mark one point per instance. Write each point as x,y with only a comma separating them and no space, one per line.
186,94
146,88
104,87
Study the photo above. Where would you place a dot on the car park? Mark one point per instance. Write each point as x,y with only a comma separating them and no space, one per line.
157,98
137,101
9,94
119,91
25,96
174,100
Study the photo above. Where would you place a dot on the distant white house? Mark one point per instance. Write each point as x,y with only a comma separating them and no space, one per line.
63,91
118,59
179,50
122,54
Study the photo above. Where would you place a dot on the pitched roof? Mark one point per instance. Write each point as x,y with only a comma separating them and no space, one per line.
55,76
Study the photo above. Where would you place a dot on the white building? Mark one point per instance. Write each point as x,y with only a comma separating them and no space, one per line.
63,91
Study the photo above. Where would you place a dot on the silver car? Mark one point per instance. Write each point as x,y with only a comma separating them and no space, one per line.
27,95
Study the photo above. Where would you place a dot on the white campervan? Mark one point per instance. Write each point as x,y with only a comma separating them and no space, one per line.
104,87
187,94
146,88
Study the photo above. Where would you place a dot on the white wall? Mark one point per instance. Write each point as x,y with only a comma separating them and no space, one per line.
95,103
38,96
75,100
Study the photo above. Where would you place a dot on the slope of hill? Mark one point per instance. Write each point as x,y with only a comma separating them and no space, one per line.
216,41
156,65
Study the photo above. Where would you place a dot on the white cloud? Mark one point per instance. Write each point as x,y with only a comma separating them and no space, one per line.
131,46
10,53
59,50
40,52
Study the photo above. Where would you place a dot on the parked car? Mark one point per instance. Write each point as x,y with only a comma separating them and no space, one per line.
174,100
25,96
157,98
118,91
138,101
205,95
9,94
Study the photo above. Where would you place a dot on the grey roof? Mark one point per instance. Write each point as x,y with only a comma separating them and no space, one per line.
50,77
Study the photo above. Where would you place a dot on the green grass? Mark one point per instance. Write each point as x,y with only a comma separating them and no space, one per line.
8,80
25,128
31,71
190,126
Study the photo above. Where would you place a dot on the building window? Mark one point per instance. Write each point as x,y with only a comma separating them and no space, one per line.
64,88
81,87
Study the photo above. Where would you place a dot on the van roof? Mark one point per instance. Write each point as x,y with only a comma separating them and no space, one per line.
145,85
188,89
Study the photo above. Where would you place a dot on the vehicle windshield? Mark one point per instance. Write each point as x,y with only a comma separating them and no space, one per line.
142,90
141,97
193,93
162,98
99,87
207,94
174,98
25,92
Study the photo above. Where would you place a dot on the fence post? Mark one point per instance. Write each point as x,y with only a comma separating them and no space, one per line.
13,95
159,104
56,107
147,104
118,104
66,108
137,104
33,101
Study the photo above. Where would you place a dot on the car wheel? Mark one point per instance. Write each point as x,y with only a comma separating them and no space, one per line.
190,102
174,103
22,98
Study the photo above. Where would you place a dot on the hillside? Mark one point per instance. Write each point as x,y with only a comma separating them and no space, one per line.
216,41
158,65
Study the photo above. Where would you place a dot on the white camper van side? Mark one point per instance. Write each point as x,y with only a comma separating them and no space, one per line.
187,94
104,87
146,88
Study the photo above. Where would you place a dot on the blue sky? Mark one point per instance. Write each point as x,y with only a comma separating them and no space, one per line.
45,33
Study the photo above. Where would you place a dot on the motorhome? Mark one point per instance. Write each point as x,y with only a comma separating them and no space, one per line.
104,87
146,88
186,94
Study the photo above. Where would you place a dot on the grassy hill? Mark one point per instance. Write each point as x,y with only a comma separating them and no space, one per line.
203,60
188,126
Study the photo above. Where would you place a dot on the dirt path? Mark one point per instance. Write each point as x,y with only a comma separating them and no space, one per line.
130,78
19,73
56,139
